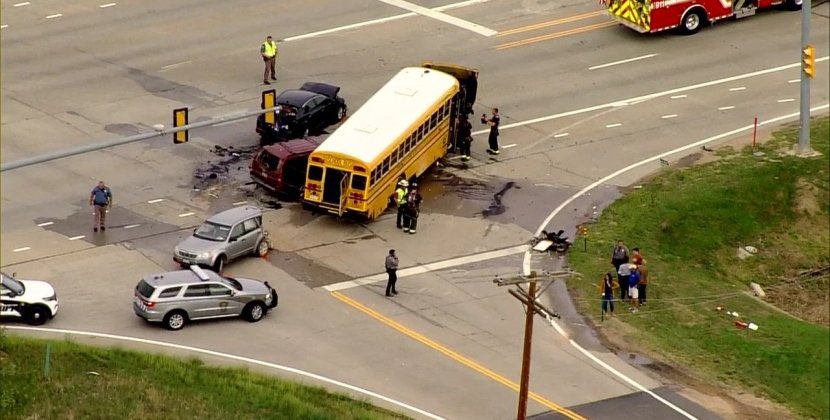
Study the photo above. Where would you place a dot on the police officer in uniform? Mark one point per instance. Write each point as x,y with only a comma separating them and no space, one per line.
465,136
400,199
413,209
269,56
493,122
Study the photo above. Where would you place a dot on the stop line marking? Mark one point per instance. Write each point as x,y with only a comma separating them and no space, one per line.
190,213
45,224
104,6
56,15
158,200
25,3
75,238
25,248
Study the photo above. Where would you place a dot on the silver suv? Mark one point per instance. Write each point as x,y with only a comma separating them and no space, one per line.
224,237
177,297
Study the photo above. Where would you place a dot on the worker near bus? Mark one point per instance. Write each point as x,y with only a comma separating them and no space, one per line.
400,199
465,136
269,56
493,122
413,209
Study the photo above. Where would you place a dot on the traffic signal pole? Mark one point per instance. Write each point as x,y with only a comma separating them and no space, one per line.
807,68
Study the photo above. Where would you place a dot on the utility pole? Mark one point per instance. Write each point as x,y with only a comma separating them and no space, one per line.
807,69
532,307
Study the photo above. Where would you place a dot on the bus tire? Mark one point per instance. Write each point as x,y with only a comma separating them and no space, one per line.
692,21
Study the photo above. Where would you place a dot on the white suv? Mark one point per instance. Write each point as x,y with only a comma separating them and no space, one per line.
31,300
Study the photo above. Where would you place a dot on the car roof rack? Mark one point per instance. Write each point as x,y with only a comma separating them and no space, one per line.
199,272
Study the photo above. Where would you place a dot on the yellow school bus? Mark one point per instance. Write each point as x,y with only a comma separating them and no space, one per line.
402,130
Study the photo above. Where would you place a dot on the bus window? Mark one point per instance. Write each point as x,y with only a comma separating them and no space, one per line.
315,173
401,152
385,166
359,182
374,176
422,132
407,144
445,110
394,157
433,121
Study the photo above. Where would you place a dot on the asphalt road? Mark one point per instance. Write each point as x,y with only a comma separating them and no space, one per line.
450,344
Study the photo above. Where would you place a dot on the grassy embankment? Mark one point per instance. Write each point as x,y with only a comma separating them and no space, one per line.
689,223
131,385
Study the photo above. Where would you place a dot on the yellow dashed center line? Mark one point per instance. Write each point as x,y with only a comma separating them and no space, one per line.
555,35
551,23
454,355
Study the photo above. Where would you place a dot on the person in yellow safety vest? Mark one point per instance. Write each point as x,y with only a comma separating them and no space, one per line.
269,55
400,199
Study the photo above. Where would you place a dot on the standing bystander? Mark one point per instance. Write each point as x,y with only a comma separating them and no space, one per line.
392,271
606,289
642,268
619,255
634,287
101,200
413,208
268,50
623,274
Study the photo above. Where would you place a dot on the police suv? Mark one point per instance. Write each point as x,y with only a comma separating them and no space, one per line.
33,301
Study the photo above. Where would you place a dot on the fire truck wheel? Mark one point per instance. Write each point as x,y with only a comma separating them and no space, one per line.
793,4
692,21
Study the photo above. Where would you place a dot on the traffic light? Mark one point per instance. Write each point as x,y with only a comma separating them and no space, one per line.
808,60
269,100
180,119
583,230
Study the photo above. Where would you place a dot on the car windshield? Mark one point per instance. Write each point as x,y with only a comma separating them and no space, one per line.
10,283
212,232
231,282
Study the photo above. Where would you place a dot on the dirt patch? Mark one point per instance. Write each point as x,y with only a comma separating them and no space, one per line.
806,199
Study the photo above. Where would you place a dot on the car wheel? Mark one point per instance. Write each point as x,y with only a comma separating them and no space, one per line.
261,248
692,21
341,113
254,311
219,264
36,315
175,320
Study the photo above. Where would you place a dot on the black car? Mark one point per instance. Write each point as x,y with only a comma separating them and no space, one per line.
307,110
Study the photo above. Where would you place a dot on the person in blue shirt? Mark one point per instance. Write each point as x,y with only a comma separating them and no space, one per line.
633,287
101,200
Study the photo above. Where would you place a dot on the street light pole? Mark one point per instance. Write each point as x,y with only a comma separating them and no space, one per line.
804,131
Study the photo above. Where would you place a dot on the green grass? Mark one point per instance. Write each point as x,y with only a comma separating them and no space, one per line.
689,223
138,385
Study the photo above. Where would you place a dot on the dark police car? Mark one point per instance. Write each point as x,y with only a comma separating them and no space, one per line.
307,110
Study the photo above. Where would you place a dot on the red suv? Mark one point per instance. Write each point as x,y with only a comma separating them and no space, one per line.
281,167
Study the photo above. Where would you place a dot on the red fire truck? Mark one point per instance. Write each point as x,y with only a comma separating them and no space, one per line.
687,15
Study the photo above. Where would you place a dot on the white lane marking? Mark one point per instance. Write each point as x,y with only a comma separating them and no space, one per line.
45,224
526,260
187,214
381,20
781,101
556,136
25,248
104,6
25,3
440,16
679,96
602,66
665,117
425,268
724,108
613,125
131,226
56,15
651,96
794,81
75,238
735,89
231,357
239,203
4,26
157,200
509,146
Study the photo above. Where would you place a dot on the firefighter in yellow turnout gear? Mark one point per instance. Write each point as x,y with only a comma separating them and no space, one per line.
400,200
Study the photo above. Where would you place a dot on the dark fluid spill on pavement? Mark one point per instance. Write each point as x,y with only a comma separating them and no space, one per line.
497,206
232,166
